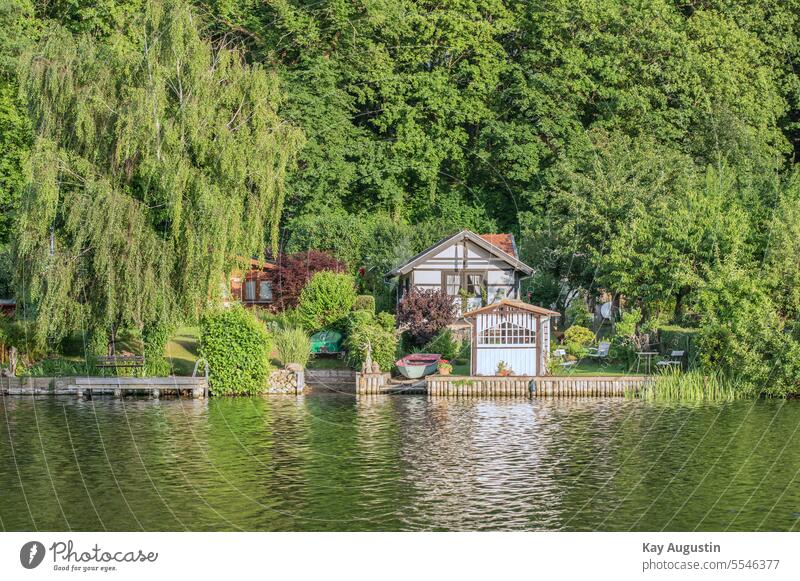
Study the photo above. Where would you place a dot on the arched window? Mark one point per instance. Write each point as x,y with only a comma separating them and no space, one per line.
507,333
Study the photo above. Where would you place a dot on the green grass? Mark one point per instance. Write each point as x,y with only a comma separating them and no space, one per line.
182,350
589,367
675,385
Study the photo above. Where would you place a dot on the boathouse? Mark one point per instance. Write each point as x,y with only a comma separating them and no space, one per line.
510,337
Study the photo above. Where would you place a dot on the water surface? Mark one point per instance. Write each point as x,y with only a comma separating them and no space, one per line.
340,463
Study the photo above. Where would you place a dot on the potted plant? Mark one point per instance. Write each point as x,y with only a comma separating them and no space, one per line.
503,370
445,367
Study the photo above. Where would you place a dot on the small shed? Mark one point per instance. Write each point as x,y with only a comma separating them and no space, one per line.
512,332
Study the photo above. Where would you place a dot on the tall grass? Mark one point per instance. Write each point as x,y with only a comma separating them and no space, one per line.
672,384
293,345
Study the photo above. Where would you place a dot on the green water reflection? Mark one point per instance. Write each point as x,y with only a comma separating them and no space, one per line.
334,462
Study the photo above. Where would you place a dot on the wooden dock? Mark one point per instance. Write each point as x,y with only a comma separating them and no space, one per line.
155,387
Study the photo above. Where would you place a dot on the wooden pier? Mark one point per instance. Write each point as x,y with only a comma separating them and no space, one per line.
196,387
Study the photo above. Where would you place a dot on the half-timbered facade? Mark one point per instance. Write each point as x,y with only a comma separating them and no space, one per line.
474,268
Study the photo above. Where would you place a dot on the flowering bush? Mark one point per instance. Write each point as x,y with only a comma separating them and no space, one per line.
445,367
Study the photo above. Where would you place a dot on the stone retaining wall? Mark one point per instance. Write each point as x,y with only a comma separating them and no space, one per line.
289,381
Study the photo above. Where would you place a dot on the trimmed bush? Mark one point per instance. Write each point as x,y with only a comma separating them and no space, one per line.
577,340
326,301
424,313
364,327
237,347
364,303
293,271
155,340
445,344
293,345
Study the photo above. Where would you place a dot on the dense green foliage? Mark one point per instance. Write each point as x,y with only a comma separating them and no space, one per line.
326,301
577,340
237,347
445,345
645,150
157,158
365,330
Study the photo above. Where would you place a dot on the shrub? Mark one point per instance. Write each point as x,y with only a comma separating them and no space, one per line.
55,367
424,313
578,313
364,327
627,341
155,340
444,344
326,301
577,340
237,346
293,345
364,303
295,270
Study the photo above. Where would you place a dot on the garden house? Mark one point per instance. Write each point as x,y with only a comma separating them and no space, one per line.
252,288
475,269
510,335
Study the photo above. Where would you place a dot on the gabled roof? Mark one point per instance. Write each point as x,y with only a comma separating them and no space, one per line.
514,304
478,240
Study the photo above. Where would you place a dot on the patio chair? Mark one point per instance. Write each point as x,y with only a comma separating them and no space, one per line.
560,354
675,359
601,351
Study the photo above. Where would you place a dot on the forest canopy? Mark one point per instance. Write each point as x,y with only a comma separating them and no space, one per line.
645,149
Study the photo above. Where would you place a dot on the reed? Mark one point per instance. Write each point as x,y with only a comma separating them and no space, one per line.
292,345
673,384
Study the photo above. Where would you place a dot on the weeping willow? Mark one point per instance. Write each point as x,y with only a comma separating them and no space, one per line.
159,158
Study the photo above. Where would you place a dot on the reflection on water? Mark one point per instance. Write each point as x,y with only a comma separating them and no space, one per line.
336,462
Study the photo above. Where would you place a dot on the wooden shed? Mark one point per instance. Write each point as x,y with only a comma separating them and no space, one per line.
512,332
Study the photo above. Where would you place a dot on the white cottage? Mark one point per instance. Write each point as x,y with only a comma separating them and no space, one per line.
512,332
483,268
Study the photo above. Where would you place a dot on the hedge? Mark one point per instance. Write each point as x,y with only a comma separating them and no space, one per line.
675,338
237,347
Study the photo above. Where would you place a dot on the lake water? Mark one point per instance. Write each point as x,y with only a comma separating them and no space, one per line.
335,462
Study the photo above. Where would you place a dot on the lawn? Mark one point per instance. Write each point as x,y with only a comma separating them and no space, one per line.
182,349
588,368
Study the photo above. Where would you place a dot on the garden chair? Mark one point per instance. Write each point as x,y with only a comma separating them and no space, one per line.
601,351
675,359
560,354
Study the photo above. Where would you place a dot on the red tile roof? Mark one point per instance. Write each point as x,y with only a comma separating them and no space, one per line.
504,242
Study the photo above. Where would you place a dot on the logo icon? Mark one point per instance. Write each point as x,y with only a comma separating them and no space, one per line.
31,554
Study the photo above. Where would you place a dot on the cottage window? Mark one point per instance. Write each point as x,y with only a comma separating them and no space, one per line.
265,290
507,334
250,290
453,284
474,285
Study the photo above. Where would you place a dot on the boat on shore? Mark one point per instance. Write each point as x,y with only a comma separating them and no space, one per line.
416,365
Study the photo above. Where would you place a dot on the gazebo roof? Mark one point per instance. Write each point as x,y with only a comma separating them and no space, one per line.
513,304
